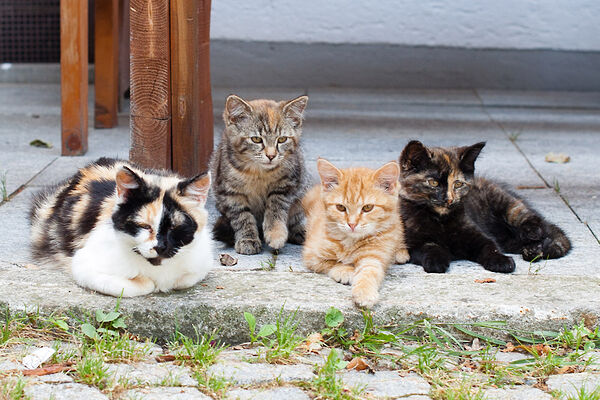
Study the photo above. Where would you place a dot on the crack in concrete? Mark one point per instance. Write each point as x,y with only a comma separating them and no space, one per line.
24,186
538,173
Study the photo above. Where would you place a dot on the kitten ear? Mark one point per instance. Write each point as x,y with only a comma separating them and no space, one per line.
468,155
195,188
236,109
126,180
415,156
387,176
330,175
294,110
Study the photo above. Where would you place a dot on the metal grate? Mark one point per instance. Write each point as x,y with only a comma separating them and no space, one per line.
29,30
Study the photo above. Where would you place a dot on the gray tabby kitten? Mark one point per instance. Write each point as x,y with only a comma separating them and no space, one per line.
259,174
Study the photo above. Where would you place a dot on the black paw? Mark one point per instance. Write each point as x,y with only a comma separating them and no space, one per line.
436,263
296,237
556,248
499,263
532,229
532,252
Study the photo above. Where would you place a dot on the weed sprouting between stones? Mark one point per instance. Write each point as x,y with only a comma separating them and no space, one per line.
13,389
585,394
199,352
279,339
327,384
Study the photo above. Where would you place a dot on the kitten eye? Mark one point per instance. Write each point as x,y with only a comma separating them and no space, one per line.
432,182
145,227
282,139
340,207
256,139
458,184
367,208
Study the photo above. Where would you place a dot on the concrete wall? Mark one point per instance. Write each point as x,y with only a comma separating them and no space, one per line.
480,24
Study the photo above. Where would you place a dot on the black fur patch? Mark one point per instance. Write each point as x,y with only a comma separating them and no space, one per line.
483,221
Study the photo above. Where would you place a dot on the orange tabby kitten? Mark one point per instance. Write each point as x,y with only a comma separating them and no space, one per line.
354,231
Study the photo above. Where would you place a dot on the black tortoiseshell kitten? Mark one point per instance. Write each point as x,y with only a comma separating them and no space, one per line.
450,214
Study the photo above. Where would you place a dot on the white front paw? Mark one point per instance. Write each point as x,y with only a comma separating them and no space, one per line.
402,256
276,235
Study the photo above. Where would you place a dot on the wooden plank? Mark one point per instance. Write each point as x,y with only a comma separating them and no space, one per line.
150,83
192,115
106,59
74,76
153,133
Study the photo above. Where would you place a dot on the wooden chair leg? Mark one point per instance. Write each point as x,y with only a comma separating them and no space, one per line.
150,83
74,76
106,49
192,115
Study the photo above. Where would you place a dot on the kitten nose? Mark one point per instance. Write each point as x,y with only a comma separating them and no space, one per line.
352,226
270,152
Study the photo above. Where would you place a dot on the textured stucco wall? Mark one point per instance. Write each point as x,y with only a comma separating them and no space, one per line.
500,24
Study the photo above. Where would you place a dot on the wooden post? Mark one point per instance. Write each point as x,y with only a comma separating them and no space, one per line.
192,115
123,50
106,49
150,83
74,76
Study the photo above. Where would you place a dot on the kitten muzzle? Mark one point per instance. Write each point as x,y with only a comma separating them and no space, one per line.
155,261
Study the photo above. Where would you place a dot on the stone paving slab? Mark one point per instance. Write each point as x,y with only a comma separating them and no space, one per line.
287,393
243,373
546,99
159,393
151,374
67,391
571,384
388,384
516,393
534,302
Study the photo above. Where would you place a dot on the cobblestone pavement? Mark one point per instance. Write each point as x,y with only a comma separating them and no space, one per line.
242,373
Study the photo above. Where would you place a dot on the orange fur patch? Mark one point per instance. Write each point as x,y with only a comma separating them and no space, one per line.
379,233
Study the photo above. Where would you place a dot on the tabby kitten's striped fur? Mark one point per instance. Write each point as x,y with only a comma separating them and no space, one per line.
259,174
354,231
123,230
450,214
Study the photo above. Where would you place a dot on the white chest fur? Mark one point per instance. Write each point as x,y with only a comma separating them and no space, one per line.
107,264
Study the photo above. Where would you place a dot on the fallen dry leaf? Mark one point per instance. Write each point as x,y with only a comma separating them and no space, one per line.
557,158
359,364
227,260
509,348
220,287
475,346
40,143
566,369
165,358
355,336
313,343
485,280
50,369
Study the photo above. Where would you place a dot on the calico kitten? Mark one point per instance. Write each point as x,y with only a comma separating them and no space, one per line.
124,230
354,231
450,214
259,174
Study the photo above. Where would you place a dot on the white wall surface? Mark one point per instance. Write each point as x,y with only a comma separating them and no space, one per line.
504,24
